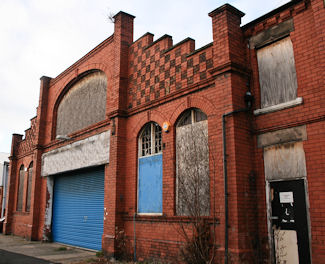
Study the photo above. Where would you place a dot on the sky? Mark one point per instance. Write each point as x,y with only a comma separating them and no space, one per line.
44,37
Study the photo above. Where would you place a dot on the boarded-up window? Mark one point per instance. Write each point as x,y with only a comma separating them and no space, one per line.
20,189
192,165
83,105
150,170
277,73
29,186
285,161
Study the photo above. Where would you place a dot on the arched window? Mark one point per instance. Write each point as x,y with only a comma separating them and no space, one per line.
84,104
20,188
29,186
192,164
150,170
191,116
150,140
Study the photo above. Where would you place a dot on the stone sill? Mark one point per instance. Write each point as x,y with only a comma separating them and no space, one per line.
278,107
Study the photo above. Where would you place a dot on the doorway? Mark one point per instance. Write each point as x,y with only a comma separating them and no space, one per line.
289,222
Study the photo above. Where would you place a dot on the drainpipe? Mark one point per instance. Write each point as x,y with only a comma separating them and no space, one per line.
248,100
135,240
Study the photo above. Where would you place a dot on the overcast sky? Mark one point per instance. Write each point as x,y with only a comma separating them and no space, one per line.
44,37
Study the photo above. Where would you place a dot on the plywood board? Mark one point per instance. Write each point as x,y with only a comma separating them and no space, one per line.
277,73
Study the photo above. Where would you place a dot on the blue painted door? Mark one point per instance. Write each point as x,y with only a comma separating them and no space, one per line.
78,206
150,184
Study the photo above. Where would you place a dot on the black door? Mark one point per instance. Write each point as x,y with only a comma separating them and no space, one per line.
289,213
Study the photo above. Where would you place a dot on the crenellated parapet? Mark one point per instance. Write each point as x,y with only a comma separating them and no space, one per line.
26,144
159,68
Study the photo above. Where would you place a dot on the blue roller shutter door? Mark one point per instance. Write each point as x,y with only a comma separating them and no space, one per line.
78,208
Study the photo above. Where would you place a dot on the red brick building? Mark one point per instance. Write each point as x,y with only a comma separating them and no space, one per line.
122,135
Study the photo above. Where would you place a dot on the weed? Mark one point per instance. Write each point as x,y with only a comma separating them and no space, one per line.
61,249
100,254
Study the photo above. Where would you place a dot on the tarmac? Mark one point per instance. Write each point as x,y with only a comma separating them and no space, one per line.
16,250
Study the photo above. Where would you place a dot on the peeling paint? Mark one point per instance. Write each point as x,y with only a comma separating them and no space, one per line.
92,151
48,210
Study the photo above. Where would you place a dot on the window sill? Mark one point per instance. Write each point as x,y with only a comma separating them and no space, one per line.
278,107
170,219
149,214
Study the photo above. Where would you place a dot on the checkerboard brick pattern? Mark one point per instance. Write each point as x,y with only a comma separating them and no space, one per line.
27,144
157,69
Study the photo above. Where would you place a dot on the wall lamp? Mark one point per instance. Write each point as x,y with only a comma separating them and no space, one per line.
249,99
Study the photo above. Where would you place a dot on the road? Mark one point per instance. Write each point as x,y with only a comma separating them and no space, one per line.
7,257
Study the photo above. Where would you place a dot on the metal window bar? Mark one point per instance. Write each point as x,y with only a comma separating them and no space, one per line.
146,138
150,141
157,134
192,116
199,116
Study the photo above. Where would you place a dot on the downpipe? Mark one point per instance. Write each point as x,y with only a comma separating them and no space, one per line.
248,100
135,239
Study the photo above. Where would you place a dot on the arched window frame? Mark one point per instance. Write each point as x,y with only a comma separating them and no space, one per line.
61,98
190,116
20,189
29,186
150,142
149,191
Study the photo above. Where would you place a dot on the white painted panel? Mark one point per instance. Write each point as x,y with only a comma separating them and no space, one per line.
92,151
3,158
1,174
286,247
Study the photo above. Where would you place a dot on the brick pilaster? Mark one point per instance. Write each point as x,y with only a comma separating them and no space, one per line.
114,171
39,140
123,38
230,61
227,35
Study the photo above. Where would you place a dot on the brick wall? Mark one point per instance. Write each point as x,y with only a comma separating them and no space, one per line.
157,81
308,47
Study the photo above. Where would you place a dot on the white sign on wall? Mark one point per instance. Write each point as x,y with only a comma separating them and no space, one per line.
286,197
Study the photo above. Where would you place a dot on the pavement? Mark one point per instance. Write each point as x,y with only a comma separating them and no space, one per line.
17,250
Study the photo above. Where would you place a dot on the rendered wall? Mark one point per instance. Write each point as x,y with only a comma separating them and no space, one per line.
92,151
